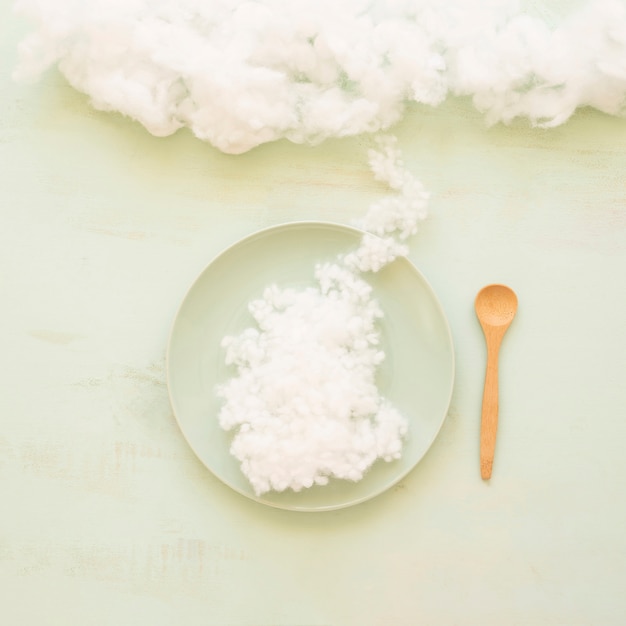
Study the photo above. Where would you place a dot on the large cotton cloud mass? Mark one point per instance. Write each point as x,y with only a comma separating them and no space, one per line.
239,74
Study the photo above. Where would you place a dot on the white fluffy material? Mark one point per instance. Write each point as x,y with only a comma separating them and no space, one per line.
305,400
393,219
303,404
239,74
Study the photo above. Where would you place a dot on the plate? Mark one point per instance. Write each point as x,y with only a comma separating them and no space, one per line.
417,375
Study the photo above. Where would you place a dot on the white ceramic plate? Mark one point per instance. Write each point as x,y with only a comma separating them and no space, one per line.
417,375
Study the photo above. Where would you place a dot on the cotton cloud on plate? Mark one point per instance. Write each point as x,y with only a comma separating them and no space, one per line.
240,74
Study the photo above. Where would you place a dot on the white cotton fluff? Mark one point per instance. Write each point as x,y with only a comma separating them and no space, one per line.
389,222
239,74
305,400
303,405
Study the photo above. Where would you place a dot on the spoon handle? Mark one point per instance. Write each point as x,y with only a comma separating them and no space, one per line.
489,419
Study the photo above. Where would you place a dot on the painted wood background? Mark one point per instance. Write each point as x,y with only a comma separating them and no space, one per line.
107,517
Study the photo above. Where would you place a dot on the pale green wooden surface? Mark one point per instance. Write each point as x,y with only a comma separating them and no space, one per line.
107,518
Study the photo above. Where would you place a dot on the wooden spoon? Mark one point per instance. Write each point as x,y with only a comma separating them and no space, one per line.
495,306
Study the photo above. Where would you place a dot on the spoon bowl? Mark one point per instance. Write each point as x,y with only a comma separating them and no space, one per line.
495,307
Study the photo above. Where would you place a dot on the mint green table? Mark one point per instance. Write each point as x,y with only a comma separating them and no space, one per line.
107,517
